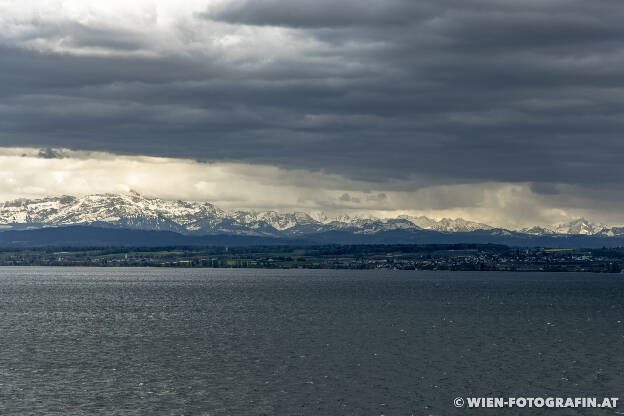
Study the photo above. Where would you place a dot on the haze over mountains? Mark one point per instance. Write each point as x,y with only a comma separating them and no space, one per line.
137,212
194,220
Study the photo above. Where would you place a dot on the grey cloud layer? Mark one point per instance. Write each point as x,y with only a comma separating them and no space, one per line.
442,91
322,13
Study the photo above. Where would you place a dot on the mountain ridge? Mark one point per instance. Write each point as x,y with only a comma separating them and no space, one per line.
134,211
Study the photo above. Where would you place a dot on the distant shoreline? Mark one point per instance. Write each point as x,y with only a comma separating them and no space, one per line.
434,257
307,268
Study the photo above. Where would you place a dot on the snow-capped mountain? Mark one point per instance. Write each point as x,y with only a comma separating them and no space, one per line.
447,225
580,226
131,210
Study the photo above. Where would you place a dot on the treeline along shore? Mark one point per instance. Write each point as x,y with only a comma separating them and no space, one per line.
466,257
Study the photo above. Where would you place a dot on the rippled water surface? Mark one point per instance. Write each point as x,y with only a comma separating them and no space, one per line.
261,342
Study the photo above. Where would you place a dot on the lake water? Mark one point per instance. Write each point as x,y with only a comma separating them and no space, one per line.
78,341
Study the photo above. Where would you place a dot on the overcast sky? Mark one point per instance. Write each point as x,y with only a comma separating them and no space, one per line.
508,112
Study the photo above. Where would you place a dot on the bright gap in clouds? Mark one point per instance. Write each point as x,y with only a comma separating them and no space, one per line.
34,173
147,28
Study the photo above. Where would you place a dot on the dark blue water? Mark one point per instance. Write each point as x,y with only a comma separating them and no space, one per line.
261,342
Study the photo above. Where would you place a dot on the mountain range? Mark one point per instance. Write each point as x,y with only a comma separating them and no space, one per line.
131,211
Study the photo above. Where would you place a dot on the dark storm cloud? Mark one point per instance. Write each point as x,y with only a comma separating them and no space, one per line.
50,154
348,198
442,91
321,13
